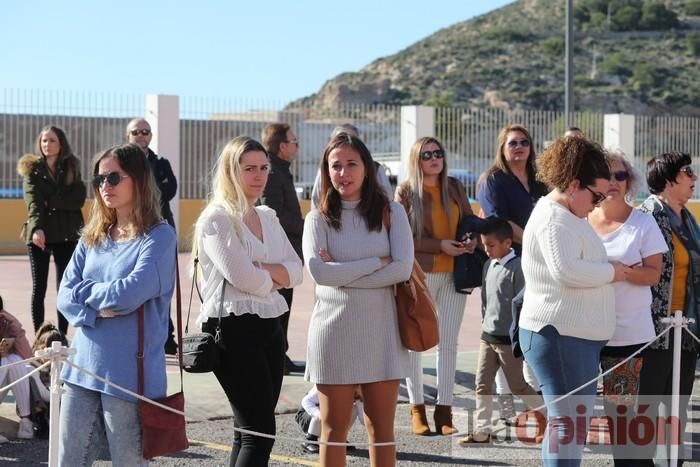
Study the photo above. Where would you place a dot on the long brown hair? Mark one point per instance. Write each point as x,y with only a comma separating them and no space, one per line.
373,200
64,161
146,213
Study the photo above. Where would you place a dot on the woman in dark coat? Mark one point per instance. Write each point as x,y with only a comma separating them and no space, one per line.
54,193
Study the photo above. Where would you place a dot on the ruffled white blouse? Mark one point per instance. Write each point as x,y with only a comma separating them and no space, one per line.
224,255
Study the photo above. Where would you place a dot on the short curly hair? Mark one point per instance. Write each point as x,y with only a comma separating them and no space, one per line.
569,159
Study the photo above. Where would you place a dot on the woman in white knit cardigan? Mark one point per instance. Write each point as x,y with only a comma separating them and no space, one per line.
568,312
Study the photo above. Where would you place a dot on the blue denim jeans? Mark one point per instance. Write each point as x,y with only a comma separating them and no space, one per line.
89,419
562,364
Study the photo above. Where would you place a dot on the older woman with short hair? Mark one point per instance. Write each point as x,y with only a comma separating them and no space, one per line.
671,181
633,238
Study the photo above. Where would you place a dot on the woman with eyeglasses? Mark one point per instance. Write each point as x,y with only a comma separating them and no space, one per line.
125,260
632,238
436,204
54,193
671,181
568,311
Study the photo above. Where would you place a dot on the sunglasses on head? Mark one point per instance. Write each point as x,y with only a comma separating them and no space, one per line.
514,143
621,175
113,178
144,132
597,197
688,171
428,155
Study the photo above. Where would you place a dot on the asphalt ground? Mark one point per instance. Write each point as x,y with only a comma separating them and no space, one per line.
209,425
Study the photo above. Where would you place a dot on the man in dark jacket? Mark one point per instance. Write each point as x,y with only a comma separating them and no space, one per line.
282,145
138,131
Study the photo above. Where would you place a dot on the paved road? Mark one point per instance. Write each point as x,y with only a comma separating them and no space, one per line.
209,423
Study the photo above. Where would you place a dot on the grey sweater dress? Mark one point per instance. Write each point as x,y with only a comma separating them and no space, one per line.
353,334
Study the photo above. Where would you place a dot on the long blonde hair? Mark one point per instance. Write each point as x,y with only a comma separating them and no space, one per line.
415,182
146,210
227,186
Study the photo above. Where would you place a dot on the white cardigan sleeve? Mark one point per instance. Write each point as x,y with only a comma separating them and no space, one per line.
562,256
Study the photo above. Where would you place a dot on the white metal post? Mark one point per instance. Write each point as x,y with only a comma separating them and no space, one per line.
57,353
676,387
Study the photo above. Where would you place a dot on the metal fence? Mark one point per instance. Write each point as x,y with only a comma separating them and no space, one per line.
469,135
207,125
95,121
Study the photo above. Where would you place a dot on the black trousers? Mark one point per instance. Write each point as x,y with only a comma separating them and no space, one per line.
39,262
655,387
251,376
288,295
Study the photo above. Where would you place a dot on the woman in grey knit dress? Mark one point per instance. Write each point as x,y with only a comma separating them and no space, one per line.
353,336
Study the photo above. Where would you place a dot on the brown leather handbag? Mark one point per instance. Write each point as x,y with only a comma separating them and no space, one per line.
415,308
163,431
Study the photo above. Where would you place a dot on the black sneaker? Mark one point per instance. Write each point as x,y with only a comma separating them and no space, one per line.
291,367
311,448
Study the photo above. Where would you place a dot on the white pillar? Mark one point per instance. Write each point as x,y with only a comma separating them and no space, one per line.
163,114
618,133
417,121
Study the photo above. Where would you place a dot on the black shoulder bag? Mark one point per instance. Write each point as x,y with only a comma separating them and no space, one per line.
201,351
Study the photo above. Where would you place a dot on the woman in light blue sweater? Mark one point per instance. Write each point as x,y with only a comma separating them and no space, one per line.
125,258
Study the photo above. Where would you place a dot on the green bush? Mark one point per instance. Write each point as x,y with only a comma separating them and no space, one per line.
694,43
616,64
692,8
655,16
554,46
506,35
626,18
644,77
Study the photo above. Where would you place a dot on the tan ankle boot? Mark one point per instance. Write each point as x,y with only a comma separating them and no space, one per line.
419,420
443,420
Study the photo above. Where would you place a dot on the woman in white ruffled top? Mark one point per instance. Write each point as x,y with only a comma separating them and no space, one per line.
245,257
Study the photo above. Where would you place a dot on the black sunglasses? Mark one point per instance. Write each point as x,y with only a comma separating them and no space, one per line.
597,197
514,143
621,175
113,178
427,155
144,132
688,171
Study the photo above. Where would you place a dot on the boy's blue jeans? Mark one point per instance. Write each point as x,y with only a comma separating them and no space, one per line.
562,364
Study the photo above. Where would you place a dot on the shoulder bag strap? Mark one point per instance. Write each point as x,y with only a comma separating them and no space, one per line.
140,354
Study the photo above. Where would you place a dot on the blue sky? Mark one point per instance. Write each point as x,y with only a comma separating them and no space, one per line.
276,50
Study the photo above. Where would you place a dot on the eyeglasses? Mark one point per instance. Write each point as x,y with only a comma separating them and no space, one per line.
597,197
428,155
144,132
514,143
295,142
688,171
113,178
621,175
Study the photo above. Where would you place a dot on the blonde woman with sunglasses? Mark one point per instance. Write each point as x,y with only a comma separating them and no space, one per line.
436,204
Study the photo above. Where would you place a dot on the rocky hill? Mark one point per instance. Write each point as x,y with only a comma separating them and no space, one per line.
631,56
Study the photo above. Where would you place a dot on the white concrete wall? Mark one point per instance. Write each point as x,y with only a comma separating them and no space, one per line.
618,133
417,121
163,114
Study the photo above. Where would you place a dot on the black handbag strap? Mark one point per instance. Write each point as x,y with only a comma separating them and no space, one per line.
140,354
195,285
